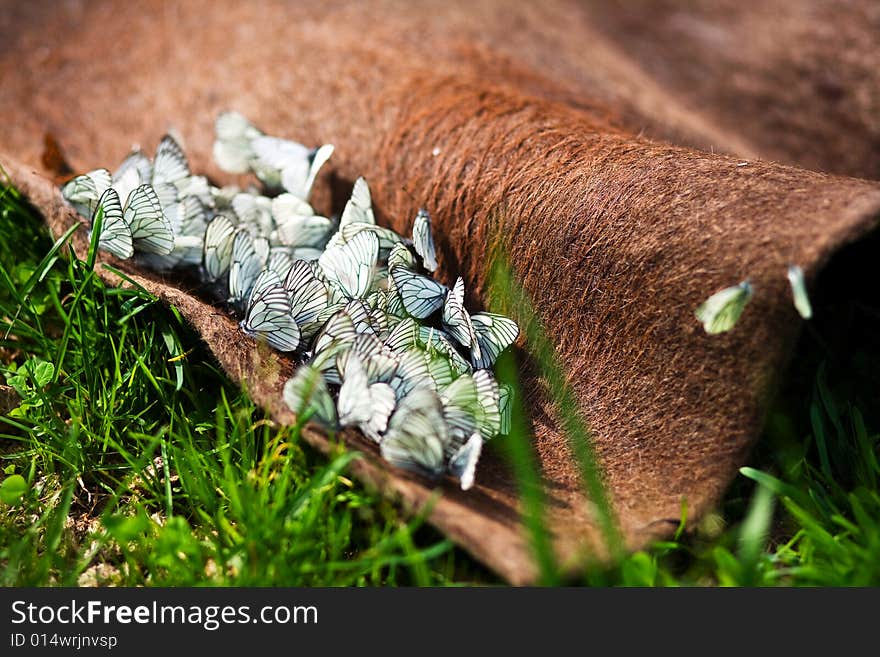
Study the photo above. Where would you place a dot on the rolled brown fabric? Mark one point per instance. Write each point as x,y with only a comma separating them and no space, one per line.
513,121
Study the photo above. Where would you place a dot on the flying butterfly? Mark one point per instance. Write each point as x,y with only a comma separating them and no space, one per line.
799,292
721,311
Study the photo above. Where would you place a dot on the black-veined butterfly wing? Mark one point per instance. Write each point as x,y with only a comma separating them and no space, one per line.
151,230
495,333
170,164
268,314
421,296
219,237
115,234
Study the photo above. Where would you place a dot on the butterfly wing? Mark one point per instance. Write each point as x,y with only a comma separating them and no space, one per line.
170,164
423,240
359,207
84,191
421,296
318,159
721,311
308,296
799,292
457,321
246,265
494,334
268,314
219,237
306,394
115,234
350,267
416,433
151,231
463,464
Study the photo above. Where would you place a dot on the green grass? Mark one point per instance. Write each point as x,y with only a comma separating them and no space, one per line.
132,460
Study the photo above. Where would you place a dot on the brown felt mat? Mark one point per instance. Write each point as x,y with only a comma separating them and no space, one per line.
587,132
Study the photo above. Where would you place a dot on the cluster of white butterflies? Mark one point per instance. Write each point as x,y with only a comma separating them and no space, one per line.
721,311
352,300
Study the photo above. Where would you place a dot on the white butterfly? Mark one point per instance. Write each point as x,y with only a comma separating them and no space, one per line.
306,394
387,237
308,297
494,334
288,164
423,240
489,398
248,260
195,187
115,235
296,223
379,364
268,314
351,267
361,403
463,463
189,220
421,296
84,191
135,170
280,260
222,196
461,409
411,372
359,207
254,212
232,147
151,231
720,312
404,336
401,256
219,238
170,164
417,434
436,342
336,335
457,321
136,160
799,292
299,180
